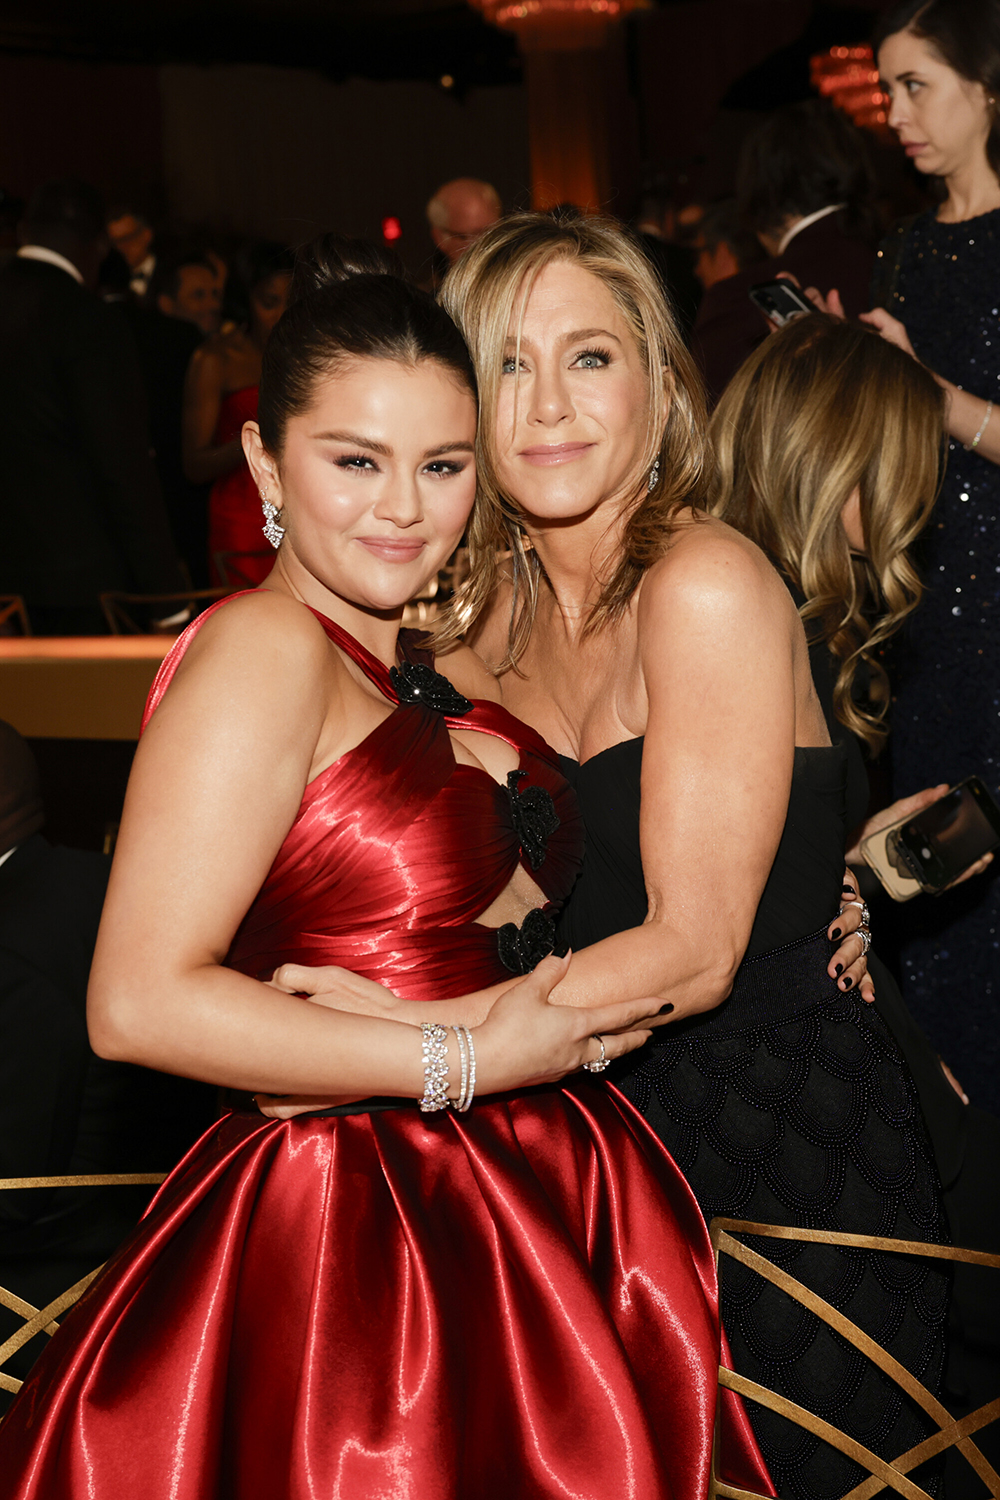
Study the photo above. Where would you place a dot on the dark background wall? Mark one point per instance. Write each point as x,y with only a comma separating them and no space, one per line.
285,130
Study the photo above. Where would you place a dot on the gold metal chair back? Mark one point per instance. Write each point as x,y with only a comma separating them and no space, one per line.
14,615
37,1320
892,1475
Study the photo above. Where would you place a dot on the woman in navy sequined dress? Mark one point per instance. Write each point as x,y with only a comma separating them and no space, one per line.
939,286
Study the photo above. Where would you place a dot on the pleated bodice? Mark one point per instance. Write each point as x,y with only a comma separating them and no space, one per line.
397,847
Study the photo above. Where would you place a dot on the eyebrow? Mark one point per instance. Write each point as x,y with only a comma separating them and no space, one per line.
575,336
356,440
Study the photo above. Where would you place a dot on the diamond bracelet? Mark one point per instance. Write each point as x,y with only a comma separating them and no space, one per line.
434,1043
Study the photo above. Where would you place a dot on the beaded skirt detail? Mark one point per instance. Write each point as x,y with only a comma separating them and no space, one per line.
791,1105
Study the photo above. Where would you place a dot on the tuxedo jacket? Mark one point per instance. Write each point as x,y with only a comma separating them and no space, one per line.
83,507
729,326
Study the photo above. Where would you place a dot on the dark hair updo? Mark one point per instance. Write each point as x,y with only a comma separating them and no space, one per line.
349,301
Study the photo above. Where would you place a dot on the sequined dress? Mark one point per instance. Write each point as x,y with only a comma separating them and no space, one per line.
376,1303
946,666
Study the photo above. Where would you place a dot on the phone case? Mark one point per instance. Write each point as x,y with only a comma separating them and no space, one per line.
899,883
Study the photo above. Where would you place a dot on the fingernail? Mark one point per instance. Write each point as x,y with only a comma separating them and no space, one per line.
665,1009
848,890
848,982
835,934
839,969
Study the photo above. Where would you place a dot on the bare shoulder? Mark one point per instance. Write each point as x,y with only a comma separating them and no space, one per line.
467,672
210,355
263,645
711,568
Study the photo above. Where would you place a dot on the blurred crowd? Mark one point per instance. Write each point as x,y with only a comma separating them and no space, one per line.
131,352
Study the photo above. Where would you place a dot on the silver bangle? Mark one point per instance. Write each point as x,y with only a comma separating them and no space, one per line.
467,1062
434,1042
982,428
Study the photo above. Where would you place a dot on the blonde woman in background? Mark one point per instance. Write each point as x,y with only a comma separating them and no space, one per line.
836,486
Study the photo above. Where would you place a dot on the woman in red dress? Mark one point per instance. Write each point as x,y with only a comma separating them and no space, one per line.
220,395
370,1299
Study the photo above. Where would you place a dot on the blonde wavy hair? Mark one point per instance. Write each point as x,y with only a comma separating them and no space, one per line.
820,409
482,291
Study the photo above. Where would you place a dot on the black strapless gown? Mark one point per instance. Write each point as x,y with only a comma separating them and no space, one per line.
788,1104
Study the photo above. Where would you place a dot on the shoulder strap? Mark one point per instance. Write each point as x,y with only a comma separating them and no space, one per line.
174,656
369,664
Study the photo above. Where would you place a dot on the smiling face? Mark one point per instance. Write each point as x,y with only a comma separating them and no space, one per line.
375,482
572,416
942,119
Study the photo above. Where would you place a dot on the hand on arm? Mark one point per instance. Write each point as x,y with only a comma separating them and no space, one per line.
525,1040
715,641
218,780
971,419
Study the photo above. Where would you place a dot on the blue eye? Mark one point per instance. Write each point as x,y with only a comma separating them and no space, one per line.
592,359
509,365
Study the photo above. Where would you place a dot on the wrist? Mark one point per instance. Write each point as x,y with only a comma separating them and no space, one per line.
448,1057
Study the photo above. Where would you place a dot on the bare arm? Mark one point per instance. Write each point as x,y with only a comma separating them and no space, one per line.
716,634
715,642
217,782
970,418
204,461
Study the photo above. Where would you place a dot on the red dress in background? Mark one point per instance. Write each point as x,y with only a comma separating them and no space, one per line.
234,514
517,1303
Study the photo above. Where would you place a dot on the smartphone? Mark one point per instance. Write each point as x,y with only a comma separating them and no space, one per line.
929,851
780,300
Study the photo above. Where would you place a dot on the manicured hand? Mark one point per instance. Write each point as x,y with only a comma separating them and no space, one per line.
849,966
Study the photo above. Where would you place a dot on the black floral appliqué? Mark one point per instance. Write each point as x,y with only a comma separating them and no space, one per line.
415,683
521,948
534,817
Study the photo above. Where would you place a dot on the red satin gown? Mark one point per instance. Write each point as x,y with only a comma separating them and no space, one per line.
515,1302
234,514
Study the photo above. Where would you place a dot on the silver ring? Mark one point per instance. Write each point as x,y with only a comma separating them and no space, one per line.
866,916
866,940
599,1063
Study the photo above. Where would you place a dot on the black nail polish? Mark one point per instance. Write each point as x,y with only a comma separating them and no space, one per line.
835,934
839,969
665,1010
848,982
848,890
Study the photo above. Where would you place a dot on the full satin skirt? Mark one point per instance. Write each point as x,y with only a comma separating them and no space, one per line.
519,1301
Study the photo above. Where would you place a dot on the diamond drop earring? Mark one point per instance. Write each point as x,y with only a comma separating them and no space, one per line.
272,528
654,475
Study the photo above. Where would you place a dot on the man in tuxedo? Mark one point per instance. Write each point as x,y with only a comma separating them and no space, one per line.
63,1110
84,509
132,236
